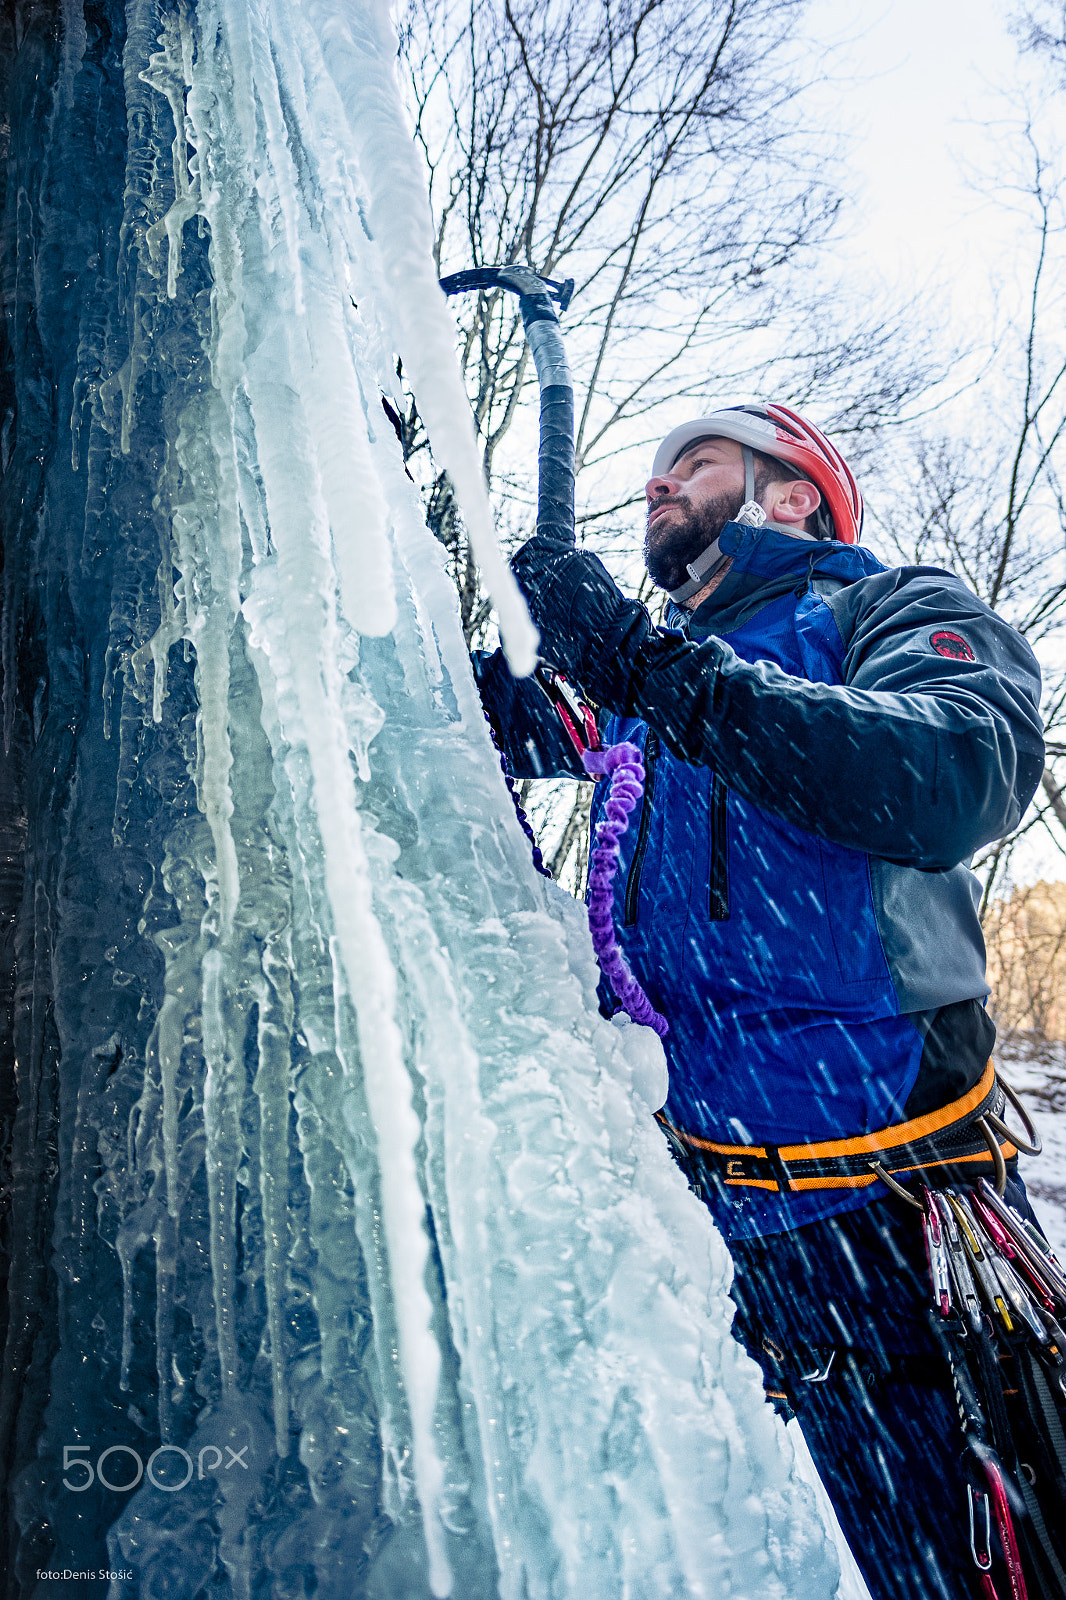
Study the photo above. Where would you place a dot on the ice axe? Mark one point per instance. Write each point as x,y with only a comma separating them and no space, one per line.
555,491
622,763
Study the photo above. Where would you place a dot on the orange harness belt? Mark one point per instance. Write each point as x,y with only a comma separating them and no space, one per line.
943,1140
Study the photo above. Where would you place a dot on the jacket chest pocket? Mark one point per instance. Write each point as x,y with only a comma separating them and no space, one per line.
632,896
718,850
718,874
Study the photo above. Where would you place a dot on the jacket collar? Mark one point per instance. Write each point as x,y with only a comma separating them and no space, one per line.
768,563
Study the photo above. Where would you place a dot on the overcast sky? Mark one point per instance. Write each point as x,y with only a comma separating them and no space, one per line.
909,79
916,84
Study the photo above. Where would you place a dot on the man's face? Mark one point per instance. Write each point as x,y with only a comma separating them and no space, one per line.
689,506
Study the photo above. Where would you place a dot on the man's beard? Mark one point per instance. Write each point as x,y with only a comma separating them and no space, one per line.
671,544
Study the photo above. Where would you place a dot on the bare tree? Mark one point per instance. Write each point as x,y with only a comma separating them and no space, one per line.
1041,29
655,151
1026,931
984,497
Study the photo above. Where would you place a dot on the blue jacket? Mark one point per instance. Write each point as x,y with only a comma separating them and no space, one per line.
825,741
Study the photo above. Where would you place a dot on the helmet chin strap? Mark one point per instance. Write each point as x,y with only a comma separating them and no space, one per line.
703,569
750,515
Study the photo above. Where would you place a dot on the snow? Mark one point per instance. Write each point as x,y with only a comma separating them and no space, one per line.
355,1179
1037,1071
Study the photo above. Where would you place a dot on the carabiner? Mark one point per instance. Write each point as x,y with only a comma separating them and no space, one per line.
576,717
982,1561
819,1374
1008,1538
1032,1144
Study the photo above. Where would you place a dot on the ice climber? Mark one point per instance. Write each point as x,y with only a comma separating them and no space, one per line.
826,742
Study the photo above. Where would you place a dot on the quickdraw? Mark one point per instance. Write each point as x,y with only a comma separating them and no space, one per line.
999,1298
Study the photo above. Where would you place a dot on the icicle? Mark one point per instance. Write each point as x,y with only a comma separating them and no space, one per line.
73,48
272,1091
279,182
171,627
208,624
211,638
223,1088
126,1250
298,518
166,73
353,495
166,1251
470,1296
360,53
168,1043
296,640
322,370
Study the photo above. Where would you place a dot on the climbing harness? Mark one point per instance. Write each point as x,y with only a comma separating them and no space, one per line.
997,1312
951,1142
555,523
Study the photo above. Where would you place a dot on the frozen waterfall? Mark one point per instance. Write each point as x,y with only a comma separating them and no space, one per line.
345,1256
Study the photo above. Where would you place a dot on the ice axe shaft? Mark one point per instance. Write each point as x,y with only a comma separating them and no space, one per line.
555,491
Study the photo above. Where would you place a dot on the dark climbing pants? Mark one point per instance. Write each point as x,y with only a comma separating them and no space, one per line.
838,1316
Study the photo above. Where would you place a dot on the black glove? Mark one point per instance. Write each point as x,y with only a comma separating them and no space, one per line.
588,629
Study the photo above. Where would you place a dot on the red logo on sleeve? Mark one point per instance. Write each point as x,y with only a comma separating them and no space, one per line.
951,644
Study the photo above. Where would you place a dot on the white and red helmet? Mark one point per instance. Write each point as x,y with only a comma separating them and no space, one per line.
776,430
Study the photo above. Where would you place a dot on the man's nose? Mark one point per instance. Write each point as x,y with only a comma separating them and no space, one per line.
657,488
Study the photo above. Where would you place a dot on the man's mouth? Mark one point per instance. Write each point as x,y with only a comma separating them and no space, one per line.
660,506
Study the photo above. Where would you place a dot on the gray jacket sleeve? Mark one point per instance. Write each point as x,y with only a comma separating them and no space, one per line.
918,756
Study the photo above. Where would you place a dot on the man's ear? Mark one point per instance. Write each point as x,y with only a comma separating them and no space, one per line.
792,502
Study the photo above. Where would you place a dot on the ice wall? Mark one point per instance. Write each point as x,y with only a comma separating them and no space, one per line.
345,1257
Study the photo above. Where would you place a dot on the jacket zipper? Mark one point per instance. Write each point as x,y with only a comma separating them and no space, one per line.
651,751
718,900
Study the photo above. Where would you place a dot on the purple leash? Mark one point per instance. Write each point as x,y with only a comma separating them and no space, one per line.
626,768
523,820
